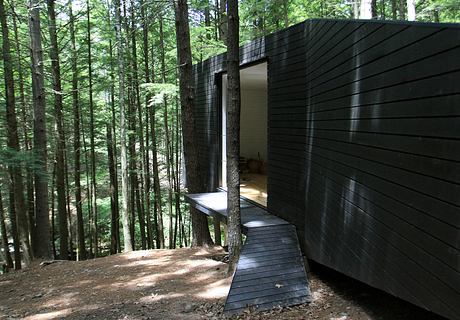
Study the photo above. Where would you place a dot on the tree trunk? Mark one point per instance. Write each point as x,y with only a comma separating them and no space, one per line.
77,143
14,228
374,9
42,223
13,141
160,240
140,195
201,234
147,183
58,116
355,9
53,225
402,9
158,211
394,10
167,137
94,235
26,129
5,244
88,184
411,10
128,243
233,137
111,152
223,21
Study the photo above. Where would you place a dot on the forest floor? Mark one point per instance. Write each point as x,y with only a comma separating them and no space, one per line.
175,284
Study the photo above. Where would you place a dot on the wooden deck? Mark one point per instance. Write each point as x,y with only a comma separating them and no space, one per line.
271,270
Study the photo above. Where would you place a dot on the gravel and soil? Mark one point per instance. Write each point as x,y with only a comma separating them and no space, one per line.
189,283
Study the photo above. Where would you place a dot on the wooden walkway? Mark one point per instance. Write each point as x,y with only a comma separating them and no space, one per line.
271,270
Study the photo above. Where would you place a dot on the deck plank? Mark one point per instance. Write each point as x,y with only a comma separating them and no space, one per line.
270,271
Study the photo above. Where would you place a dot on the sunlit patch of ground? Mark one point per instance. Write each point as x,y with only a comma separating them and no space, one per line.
151,284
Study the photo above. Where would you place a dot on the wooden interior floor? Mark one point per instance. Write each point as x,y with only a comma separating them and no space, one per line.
254,187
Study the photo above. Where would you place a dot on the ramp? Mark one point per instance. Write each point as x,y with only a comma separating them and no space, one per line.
271,270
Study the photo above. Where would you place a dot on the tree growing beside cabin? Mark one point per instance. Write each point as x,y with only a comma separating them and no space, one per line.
233,135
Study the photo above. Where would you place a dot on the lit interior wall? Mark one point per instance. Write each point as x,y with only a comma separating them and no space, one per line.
253,131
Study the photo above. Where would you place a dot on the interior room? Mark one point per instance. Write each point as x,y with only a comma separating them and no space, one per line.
253,133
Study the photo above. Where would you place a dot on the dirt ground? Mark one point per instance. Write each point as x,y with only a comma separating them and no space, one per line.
175,284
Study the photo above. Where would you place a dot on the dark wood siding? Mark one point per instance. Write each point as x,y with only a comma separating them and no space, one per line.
363,149
381,154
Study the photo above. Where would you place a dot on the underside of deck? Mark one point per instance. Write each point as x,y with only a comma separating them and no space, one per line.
270,271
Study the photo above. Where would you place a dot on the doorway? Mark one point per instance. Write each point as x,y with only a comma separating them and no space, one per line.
253,133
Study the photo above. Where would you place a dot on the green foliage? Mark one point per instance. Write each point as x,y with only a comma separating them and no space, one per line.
160,92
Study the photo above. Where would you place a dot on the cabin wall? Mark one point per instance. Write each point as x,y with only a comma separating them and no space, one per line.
363,149
381,154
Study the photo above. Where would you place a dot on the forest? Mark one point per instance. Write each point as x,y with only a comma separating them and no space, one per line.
91,123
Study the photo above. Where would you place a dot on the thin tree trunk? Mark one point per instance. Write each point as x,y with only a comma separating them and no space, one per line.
167,137
13,141
69,211
77,143
113,192
394,10
402,10
374,9
5,244
233,137
158,209
26,129
60,138
201,234
140,196
94,235
156,184
147,183
14,228
90,253
112,159
128,244
53,216
223,21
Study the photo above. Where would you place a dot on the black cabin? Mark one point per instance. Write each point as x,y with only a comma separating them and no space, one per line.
351,131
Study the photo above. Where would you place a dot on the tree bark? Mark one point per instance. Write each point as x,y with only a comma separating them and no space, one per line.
42,223
94,232
14,228
128,244
13,141
233,137
77,143
200,228
402,9
223,21
167,138
112,159
5,244
60,138
394,10
158,211
30,205
140,196
145,36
